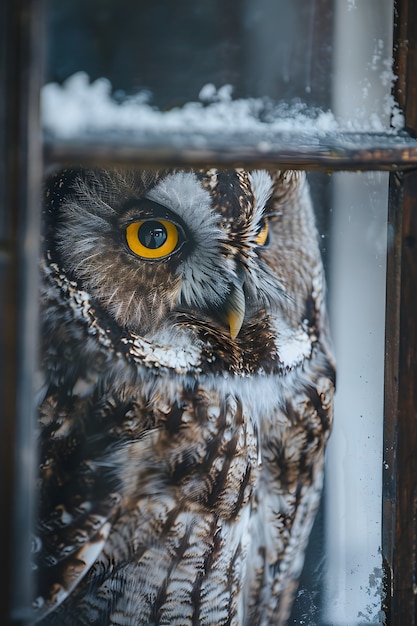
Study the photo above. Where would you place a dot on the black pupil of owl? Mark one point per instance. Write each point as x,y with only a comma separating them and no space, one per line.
152,234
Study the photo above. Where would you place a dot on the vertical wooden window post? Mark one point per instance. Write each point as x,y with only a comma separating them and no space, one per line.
400,430
22,171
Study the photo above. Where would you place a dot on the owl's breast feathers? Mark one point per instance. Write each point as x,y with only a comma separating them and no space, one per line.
179,473
163,498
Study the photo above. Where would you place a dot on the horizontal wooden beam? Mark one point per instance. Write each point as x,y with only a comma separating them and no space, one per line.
336,151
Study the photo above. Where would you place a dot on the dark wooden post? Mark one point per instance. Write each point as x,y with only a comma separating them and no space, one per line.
21,163
400,443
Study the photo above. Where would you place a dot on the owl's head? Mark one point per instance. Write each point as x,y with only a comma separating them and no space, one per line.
223,250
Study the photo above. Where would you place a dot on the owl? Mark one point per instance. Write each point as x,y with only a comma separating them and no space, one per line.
186,397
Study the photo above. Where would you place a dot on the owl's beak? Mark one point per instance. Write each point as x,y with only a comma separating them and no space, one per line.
236,310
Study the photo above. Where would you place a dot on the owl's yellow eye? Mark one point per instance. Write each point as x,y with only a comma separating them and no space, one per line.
152,239
262,238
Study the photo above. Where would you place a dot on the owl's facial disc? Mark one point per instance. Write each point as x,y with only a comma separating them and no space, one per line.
210,255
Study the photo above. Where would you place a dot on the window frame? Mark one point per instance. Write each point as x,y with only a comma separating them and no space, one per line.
26,155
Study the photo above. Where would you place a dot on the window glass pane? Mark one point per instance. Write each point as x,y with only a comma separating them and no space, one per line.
325,53
174,49
358,238
342,579
362,61
298,53
341,582
354,471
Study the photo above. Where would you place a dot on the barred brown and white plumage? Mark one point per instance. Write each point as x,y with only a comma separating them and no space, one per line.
186,400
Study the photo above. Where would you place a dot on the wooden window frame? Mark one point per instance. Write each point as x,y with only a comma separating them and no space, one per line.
26,155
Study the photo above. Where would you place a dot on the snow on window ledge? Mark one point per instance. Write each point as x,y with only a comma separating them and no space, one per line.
80,107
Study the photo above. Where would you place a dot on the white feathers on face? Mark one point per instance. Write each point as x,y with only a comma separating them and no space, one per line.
264,284
262,187
205,278
88,214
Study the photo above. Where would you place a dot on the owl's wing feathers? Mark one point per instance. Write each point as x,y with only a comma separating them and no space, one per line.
70,572
288,497
179,516
79,496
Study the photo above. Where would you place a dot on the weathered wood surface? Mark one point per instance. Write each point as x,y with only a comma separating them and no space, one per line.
333,151
400,421
21,158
